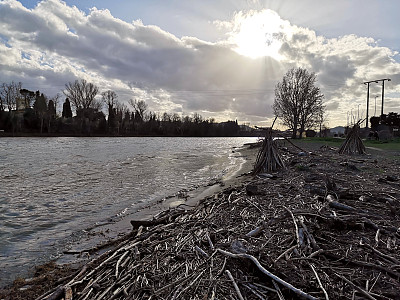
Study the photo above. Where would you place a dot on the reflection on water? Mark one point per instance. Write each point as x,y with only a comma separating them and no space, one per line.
53,188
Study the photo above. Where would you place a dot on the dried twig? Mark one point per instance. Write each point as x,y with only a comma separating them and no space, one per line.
234,284
266,272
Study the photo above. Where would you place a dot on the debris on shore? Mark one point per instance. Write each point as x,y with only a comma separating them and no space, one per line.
268,158
353,143
325,227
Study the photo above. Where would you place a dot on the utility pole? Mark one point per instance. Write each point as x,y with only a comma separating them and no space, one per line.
383,87
367,83
383,91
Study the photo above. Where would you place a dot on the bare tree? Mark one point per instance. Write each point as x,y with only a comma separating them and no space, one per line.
176,118
322,121
56,101
139,107
110,99
197,118
82,94
29,97
121,111
97,105
298,102
9,93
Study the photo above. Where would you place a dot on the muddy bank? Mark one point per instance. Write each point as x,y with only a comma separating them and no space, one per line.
325,227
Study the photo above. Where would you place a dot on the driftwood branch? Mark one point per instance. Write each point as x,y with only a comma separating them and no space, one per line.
268,158
269,274
234,285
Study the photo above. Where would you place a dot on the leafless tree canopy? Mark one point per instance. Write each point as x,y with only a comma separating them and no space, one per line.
109,98
56,100
139,107
9,92
82,94
298,102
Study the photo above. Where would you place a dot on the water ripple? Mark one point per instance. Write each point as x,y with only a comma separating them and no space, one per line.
52,189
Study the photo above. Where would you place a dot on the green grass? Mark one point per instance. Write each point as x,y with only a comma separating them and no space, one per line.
336,142
389,145
329,141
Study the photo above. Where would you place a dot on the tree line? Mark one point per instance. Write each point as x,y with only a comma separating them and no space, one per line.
391,119
298,104
28,112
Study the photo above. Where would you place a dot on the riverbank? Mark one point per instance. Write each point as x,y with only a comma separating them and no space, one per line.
327,226
56,192
102,237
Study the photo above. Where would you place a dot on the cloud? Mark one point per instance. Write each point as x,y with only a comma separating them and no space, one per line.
53,43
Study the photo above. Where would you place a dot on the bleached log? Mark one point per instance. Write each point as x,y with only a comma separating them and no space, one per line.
268,273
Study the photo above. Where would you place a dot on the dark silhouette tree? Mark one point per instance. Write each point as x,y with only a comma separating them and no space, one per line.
56,101
51,109
67,111
2,101
40,108
374,122
82,94
51,114
391,119
140,108
110,99
29,97
298,102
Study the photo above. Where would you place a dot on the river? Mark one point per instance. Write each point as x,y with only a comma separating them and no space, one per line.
53,189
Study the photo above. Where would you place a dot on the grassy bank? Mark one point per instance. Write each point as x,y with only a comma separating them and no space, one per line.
392,145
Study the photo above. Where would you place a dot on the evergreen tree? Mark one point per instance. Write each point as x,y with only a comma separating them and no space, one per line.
51,114
40,108
67,111
51,108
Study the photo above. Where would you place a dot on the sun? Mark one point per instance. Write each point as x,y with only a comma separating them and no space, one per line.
259,33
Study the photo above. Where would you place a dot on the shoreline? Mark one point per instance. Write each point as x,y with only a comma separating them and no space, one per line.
103,237
281,226
104,234
102,189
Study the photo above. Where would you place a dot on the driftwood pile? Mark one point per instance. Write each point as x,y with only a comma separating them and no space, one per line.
320,229
353,143
268,158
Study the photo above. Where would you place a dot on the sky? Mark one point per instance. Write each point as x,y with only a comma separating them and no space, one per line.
219,58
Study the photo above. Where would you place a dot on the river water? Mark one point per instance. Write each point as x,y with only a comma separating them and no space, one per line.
52,189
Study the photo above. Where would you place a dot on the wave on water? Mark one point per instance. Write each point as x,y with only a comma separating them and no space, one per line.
54,190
